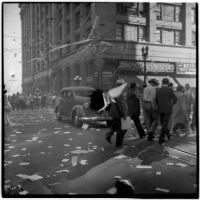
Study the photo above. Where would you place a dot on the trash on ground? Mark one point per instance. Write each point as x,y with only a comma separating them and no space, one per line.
23,192
79,151
162,190
181,164
24,163
63,171
85,126
112,190
17,155
121,156
74,160
144,166
65,160
33,177
169,163
83,162
66,145
158,173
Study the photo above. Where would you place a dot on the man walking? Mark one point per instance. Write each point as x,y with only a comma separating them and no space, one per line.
134,108
118,110
165,98
150,115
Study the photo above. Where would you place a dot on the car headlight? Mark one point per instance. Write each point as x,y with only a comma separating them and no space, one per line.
86,105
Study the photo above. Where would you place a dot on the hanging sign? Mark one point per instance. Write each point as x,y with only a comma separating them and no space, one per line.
185,68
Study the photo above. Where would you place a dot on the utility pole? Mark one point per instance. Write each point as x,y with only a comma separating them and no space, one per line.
144,56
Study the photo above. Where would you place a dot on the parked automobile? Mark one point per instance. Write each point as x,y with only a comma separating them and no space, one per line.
73,103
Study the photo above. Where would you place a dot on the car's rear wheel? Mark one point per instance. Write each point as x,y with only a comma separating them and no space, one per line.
76,120
58,116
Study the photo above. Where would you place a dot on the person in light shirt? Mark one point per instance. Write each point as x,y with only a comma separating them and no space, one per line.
150,115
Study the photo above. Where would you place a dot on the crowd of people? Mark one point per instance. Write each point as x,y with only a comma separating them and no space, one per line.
174,109
21,101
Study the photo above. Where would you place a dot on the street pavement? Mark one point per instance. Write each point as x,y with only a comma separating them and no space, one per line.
47,157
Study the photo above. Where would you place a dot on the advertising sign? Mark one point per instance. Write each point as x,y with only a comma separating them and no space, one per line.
186,68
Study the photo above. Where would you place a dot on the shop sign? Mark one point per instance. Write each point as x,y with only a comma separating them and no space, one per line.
186,68
151,66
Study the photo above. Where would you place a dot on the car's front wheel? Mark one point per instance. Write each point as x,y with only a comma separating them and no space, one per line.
75,119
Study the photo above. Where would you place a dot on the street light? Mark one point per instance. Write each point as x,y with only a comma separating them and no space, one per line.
144,56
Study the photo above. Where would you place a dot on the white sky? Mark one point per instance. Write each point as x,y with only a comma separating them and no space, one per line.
12,47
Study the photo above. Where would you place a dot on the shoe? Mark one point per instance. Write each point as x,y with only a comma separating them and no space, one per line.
108,139
150,136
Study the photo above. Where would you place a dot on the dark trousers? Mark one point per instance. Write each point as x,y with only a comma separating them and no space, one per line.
164,120
138,125
116,127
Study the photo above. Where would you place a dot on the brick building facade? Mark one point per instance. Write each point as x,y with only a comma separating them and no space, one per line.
117,33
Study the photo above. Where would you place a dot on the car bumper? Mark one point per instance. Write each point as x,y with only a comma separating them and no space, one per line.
98,118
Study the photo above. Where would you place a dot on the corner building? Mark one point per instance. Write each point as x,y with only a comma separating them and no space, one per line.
117,33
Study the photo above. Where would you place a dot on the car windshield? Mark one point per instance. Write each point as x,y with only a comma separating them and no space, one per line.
85,93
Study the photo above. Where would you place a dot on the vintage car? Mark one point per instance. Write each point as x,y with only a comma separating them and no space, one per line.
73,103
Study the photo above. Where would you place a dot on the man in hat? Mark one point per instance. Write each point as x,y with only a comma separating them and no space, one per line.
118,110
165,98
149,110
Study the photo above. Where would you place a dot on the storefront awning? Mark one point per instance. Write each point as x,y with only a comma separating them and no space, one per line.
190,81
159,79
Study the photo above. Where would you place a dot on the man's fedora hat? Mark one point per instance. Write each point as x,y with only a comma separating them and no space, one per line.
154,81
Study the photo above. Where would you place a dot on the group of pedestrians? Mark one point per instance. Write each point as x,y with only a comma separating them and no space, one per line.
161,105
21,101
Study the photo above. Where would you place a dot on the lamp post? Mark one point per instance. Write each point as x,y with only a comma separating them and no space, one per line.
144,56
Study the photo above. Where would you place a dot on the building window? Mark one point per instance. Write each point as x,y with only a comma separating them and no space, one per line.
168,36
137,9
158,35
177,13
159,11
168,12
177,37
68,26
77,20
193,38
130,33
193,16
141,33
119,32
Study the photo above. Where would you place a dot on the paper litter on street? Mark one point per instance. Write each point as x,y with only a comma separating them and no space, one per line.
98,129
169,163
23,149
14,156
158,173
78,151
83,162
23,192
63,171
24,163
85,126
79,133
112,190
121,156
78,147
33,177
162,190
7,181
181,164
144,166
49,147
74,160
120,151
65,160
11,147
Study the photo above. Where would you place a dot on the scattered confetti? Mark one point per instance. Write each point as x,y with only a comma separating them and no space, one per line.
144,166
78,147
112,190
33,177
74,160
85,126
14,156
169,163
66,132
83,162
23,192
65,160
158,173
7,181
78,151
24,163
121,156
162,190
181,164
11,147
63,171
66,145
49,147
24,149
70,139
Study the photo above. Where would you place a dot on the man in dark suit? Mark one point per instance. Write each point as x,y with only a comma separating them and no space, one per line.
165,98
118,109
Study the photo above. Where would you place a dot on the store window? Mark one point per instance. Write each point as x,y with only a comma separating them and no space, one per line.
193,16
193,38
119,32
158,35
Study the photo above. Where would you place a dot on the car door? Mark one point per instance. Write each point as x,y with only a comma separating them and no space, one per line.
68,102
